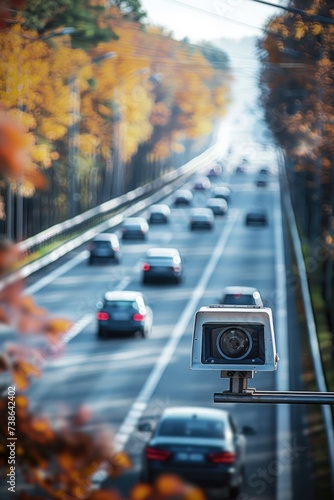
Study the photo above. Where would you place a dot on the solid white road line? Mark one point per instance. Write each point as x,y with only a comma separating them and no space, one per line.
36,287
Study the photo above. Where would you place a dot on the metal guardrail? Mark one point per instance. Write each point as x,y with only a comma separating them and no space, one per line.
310,322
56,241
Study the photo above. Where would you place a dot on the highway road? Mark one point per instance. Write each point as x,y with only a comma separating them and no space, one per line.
125,380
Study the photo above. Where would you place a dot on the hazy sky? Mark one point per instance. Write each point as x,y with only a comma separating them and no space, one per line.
210,19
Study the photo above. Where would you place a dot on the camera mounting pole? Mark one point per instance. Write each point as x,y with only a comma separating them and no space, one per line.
240,393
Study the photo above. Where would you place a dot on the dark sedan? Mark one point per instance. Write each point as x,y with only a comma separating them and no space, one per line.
201,218
135,228
223,192
162,264
104,247
159,214
217,205
124,313
183,197
256,217
201,445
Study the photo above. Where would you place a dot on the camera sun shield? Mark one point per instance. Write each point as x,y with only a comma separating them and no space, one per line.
234,338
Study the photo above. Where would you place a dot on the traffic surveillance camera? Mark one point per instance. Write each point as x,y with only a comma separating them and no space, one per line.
234,338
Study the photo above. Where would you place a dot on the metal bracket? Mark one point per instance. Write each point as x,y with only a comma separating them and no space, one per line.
240,393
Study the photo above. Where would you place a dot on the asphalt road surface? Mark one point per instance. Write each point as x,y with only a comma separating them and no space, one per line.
125,380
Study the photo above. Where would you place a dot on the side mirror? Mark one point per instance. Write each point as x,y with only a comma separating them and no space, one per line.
144,427
248,431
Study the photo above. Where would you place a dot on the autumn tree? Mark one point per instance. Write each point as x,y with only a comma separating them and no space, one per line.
90,115
297,92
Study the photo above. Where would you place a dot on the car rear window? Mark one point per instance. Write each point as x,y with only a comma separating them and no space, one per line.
164,261
199,428
246,300
121,305
102,244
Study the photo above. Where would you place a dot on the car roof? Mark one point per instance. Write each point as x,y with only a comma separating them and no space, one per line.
122,295
183,191
160,206
186,412
242,290
201,211
134,220
257,211
105,237
216,201
162,252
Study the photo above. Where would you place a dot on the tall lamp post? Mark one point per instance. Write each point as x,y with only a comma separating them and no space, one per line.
119,136
73,136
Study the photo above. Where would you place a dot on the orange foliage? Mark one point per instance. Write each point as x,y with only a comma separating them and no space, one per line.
16,148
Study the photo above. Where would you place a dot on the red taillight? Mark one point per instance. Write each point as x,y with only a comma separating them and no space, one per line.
155,454
138,317
222,457
177,269
102,316
146,267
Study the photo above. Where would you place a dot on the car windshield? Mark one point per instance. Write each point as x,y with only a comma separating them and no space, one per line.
199,428
246,300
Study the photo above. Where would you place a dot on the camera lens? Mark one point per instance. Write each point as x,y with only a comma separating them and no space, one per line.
234,343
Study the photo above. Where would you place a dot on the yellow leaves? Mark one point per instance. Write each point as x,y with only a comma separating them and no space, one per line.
41,426
41,154
141,492
26,120
51,129
65,461
160,114
15,146
315,28
120,462
21,372
299,30
88,144
56,327
170,486
161,149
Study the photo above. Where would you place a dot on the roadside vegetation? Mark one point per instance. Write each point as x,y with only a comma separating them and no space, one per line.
297,93
104,103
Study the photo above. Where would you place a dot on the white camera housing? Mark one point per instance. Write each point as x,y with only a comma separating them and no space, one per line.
234,338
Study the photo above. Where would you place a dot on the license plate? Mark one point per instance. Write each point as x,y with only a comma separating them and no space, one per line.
120,316
189,457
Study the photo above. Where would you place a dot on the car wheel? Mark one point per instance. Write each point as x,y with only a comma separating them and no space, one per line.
101,333
234,492
145,280
140,334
